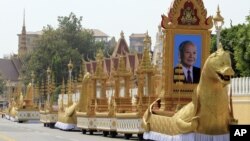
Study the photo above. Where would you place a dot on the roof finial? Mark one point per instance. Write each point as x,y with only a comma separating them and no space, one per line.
122,34
24,17
218,16
24,28
218,8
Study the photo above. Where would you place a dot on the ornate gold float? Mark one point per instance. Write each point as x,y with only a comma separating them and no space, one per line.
67,113
22,108
48,114
190,110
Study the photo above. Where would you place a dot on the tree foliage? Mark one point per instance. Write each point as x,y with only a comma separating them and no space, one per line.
236,39
242,49
2,84
57,46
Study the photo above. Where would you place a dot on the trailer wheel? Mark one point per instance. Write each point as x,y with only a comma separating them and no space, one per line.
84,131
127,136
113,134
51,125
140,137
91,132
105,133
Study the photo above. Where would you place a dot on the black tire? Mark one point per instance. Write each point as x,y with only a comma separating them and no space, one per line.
20,121
91,132
51,125
44,124
113,134
105,133
140,137
84,131
127,136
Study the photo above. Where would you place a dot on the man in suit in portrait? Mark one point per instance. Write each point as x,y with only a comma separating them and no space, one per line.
188,56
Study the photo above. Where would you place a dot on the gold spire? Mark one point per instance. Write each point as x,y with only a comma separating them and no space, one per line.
70,83
70,65
48,81
48,71
36,94
122,65
69,86
82,70
80,75
218,16
69,93
146,60
53,85
147,40
99,65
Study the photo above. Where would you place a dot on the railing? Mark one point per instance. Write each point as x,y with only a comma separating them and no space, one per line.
240,86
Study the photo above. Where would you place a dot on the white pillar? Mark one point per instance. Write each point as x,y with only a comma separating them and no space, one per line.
248,85
245,85
235,86
238,86
232,85
242,85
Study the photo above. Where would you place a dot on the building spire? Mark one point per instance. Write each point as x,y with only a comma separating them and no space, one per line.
24,27
22,49
23,17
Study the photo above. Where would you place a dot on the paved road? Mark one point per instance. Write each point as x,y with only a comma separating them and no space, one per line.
34,131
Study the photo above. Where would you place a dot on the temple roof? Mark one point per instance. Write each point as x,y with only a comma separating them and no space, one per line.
121,47
10,68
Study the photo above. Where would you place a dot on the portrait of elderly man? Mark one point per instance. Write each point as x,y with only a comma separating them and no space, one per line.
188,56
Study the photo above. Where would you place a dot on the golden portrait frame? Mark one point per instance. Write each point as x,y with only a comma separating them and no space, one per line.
168,49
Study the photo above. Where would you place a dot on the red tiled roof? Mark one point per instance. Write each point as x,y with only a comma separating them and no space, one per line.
93,66
88,67
121,48
108,65
139,56
115,62
131,58
131,62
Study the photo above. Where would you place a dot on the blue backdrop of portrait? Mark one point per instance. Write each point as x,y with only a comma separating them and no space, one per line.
196,39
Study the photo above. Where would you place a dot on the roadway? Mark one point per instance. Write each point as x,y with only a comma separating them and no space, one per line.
34,131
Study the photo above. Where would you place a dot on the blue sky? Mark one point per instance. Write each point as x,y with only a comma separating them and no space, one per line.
110,16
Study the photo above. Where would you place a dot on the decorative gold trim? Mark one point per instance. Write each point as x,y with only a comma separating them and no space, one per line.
171,20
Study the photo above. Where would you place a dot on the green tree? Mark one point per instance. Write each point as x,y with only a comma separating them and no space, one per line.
2,84
213,47
229,40
236,40
242,49
57,46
